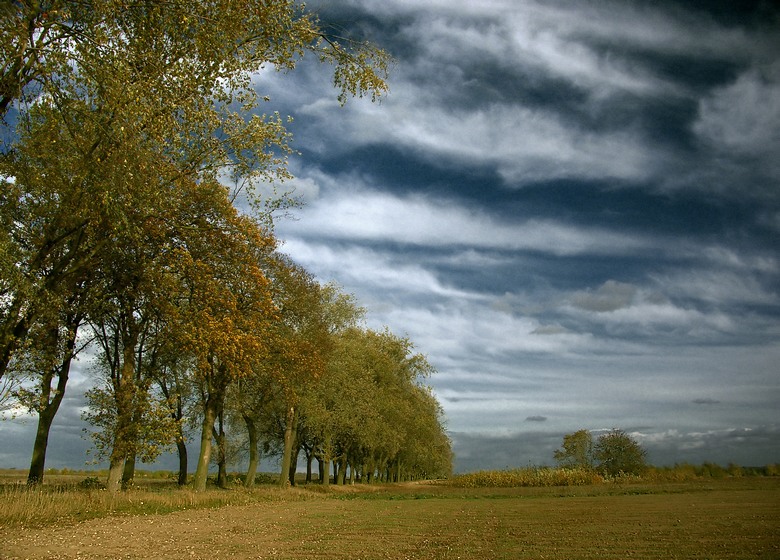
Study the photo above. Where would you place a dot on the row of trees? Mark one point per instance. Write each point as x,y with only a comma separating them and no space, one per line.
123,122
613,453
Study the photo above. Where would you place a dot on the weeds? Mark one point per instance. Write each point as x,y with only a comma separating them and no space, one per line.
68,497
36,507
533,476
542,477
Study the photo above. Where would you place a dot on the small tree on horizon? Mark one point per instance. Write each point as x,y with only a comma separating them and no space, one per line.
576,451
616,452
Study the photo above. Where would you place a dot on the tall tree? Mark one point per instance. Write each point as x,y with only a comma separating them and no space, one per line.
224,314
50,366
171,375
576,451
132,101
173,77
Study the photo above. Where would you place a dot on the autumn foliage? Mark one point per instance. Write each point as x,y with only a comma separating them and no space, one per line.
130,130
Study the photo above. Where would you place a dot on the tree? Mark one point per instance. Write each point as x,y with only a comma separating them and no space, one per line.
311,317
616,452
170,81
49,364
175,385
224,314
426,451
371,413
577,450
119,105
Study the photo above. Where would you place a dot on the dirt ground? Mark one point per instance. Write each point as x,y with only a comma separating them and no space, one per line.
736,522
228,532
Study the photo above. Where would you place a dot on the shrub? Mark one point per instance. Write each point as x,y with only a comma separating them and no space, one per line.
91,483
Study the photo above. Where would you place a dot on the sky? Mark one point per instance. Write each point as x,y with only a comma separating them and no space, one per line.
571,208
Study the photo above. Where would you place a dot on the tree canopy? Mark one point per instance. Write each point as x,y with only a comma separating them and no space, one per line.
120,120
577,450
617,452
614,453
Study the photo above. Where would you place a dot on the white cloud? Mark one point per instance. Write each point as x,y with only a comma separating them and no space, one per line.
625,310
369,268
371,216
744,116
610,296
717,286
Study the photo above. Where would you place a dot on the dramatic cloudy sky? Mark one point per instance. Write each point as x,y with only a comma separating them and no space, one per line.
572,208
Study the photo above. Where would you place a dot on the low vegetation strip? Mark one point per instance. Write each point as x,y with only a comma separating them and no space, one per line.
580,476
534,477
729,518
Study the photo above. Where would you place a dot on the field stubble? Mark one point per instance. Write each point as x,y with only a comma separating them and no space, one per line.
731,518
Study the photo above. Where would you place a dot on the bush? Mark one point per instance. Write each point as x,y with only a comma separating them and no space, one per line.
263,478
91,483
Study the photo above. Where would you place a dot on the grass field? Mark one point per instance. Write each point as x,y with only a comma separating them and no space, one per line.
736,518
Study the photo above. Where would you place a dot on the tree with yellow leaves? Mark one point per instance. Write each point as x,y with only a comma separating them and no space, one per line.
121,106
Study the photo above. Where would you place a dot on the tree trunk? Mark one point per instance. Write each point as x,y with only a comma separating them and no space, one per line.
342,470
38,461
128,472
123,439
320,469
293,470
181,449
125,397
254,459
288,443
50,404
219,437
325,471
177,414
45,420
202,470
309,461
214,404
114,482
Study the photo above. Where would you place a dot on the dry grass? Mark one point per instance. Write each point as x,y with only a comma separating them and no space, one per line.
78,496
533,476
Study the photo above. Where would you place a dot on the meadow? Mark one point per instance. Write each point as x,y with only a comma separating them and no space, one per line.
717,517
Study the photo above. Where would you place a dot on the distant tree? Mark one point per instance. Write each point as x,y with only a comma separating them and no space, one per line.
576,451
616,452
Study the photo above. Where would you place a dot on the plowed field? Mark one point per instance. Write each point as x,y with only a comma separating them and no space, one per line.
739,521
